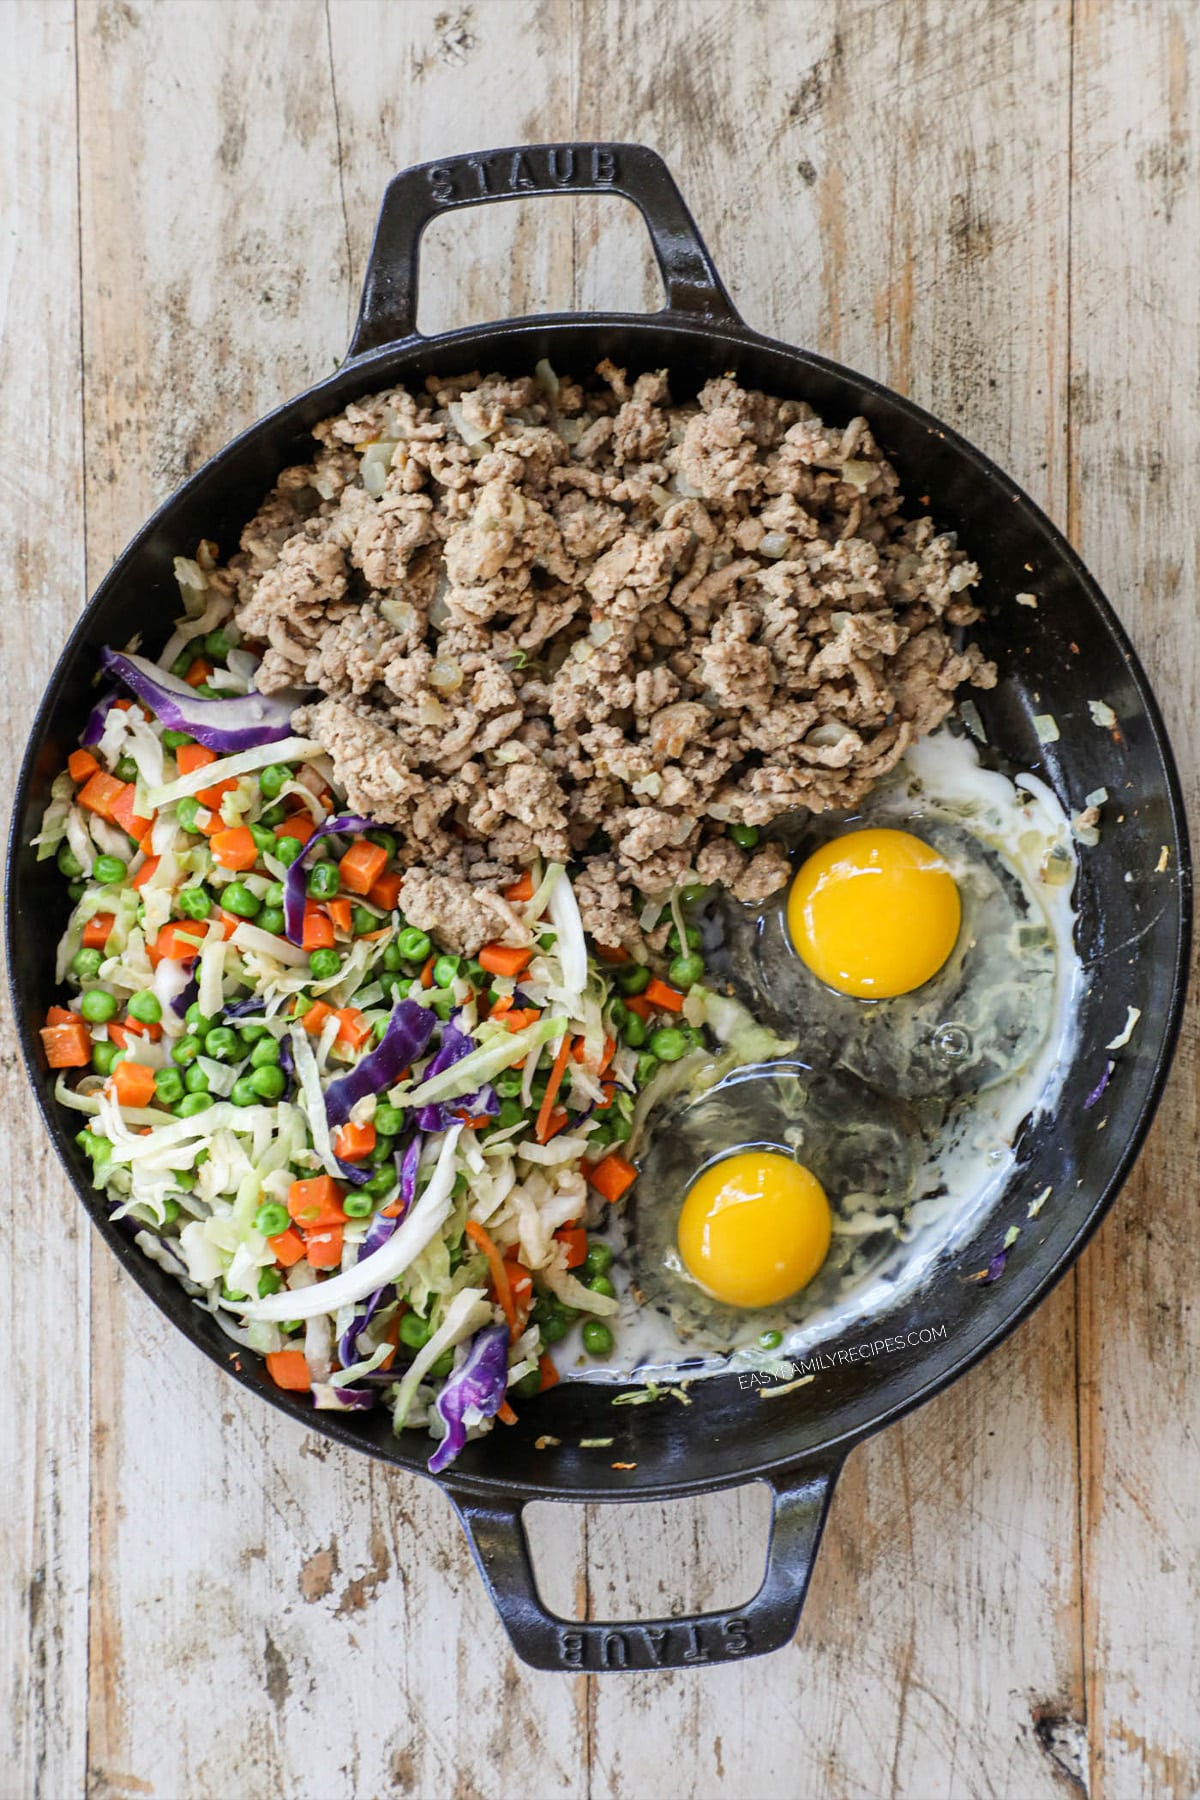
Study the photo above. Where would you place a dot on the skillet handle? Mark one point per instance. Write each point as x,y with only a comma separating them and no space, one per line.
544,1640
388,312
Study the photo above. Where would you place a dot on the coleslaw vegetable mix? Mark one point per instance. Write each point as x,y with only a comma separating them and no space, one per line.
376,1163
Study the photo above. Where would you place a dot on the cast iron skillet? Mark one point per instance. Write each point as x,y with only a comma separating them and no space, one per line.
1133,898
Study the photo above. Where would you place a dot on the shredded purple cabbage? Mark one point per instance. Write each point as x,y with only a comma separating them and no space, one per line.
408,1031
93,731
1099,1088
242,722
182,1001
479,1380
293,887
995,1268
408,1161
440,1115
348,1342
327,1398
242,1009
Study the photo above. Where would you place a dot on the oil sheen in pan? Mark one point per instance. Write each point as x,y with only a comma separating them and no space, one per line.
907,1111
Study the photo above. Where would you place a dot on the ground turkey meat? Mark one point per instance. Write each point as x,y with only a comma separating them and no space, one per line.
579,621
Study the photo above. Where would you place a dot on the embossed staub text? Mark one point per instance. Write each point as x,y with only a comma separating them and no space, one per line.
654,1646
535,170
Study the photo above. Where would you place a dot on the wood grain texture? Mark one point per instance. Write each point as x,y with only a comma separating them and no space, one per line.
991,205
44,1238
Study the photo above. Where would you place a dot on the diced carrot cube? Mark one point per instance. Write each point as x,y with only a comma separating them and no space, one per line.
386,891
177,942
341,913
521,889
61,1015
362,865
288,1369
298,825
314,1019
548,1372
315,1203
288,1247
96,931
613,1176
132,1084
190,757
199,672
318,930
354,1029
504,959
657,993
213,796
81,764
575,1240
146,871
67,1046
323,1248
235,849
122,813
354,1142
99,792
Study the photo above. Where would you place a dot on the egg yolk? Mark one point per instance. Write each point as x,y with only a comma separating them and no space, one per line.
754,1228
874,913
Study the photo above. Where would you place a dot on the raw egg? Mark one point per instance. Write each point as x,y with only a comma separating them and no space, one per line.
874,913
754,1228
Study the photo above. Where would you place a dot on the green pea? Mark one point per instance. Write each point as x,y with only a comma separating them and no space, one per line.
686,971
264,840
445,970
267,1081
243,1091
187,811
271,919
415,1331
323,880
691,940
668,1043
695,890
206,691
324,964
744,836
252,1030
238,898
647,1068
554,1328
184,1179
770,1340
270,1281
183,663
621,1128
192,1104
380,1184
193,902
68,863
146,1007
217,645
620,1015
475,973
633,978
272,816
75,891
197,1021
508,1083
175,740
168,1086
273,778
185,1050
126,769
222,1045
271,1218
384,839
287,849
388,1119
600,1284
195,1080
108,869
103,1058
597,1338
443,1009
170,1211
511,1113
358,1206
385,1146
598,1260
98,1006
529,1385
414,945
634,1031
265,1053
361,920
441,1368
98,1147
86,964
379,1031
273,894
391,958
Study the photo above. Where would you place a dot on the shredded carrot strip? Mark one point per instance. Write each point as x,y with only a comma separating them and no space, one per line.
552,1087
499,1273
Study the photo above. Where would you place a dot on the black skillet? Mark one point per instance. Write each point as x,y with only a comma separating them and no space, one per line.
1133,901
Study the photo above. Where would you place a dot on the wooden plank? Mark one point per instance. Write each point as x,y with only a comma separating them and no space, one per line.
1135,356
887,185
44,1238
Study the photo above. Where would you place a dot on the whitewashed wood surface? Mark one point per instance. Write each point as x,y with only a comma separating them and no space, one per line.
993,205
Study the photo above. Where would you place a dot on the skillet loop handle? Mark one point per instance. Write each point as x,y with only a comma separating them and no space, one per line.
544,1640
388,313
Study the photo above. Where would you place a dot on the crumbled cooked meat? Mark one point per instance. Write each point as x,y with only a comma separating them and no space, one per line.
602,628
